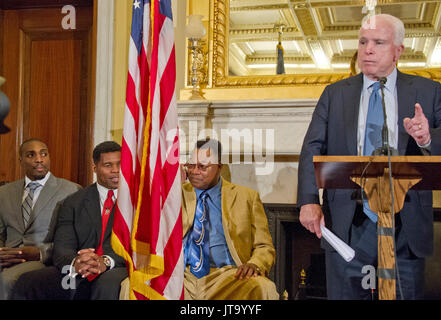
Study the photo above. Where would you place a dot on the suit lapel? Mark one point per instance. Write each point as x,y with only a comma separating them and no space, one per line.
406,94
98,219
93,207
17,200
189,207
228,196
228,200
46,193
351,104
109,225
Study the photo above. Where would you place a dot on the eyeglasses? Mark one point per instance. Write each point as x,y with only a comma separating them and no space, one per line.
201,167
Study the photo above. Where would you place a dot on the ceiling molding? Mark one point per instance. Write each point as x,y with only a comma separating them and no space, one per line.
321,31
339,45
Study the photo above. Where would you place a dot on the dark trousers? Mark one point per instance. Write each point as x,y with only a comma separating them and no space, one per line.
50,284
344,280
2,292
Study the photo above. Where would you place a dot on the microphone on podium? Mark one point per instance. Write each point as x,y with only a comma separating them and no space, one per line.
385,149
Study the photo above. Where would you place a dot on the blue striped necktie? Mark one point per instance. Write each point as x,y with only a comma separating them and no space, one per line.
199,245
374,121
373,138
26,207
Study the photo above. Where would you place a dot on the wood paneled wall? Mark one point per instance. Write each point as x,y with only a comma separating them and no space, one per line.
50,82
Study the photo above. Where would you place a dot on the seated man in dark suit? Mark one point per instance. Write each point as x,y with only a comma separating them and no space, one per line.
28,213
86,267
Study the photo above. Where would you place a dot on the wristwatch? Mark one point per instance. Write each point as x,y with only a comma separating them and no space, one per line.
107,262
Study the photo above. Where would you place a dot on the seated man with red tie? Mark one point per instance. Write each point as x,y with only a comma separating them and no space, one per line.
85,265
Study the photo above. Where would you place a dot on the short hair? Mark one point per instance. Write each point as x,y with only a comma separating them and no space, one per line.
212,144
396,23
104,147
20,150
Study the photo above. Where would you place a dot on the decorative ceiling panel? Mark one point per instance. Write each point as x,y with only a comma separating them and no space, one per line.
322,36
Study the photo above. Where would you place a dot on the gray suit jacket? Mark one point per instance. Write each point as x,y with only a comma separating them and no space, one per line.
40,229
333,131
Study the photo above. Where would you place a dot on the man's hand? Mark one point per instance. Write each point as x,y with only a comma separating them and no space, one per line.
13,256
418,126
88,262
311,217
10,257
247,271
30,253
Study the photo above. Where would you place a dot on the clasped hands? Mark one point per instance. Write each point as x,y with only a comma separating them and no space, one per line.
12,256
89,263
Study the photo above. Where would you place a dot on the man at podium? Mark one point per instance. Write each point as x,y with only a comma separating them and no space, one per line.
348,120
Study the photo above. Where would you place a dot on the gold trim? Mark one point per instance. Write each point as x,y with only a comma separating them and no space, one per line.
221,79
220,43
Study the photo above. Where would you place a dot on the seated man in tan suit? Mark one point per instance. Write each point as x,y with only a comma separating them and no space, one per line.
228,249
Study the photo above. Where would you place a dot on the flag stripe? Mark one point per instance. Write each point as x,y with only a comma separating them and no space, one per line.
168,91
148,225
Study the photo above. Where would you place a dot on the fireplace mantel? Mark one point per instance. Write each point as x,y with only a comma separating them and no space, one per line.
261,140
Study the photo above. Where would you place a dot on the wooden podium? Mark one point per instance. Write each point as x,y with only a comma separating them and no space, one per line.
372,174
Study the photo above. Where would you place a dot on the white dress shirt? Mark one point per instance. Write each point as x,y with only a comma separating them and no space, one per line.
37,191
391,102
103,195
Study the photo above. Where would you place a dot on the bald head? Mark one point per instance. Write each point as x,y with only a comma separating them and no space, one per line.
380,46
395,23
34,159
23,145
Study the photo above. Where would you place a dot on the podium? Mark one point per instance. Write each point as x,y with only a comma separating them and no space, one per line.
372,174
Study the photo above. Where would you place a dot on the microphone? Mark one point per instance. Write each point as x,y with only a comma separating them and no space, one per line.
385,148
382,80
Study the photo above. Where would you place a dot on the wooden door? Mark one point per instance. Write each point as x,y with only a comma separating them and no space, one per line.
50,82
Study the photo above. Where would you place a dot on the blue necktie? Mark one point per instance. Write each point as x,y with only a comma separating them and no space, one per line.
199,244
373,138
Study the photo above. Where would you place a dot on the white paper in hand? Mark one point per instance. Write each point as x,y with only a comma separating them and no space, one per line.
342,248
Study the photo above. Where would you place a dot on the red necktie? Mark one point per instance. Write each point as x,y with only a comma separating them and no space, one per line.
107,208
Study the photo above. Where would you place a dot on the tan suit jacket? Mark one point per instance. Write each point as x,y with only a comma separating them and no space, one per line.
244,221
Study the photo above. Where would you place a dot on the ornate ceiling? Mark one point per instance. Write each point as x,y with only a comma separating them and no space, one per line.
322,36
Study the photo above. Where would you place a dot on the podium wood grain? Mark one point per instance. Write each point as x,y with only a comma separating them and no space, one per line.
372,174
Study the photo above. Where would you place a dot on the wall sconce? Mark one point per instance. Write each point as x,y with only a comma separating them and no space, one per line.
195,31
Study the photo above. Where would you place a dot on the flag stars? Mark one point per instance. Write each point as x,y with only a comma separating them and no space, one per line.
136,4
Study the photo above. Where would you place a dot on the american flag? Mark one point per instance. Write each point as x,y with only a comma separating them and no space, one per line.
147,228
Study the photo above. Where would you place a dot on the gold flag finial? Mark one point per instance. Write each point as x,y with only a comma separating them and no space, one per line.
302,277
